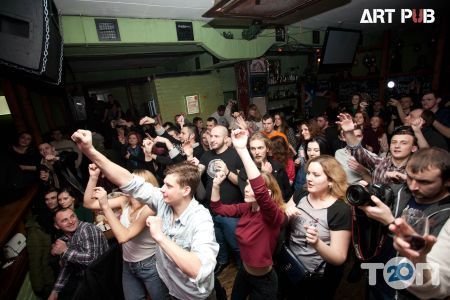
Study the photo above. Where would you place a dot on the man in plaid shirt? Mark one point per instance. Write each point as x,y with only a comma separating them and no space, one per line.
389,169
81,245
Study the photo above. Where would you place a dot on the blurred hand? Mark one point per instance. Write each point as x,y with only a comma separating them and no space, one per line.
94,171
239,138
147,146
292,211
267,167
219,178
346,122
394,102
401,229
83,139
155,225
312,235
147,121
101,196
380,212
417,124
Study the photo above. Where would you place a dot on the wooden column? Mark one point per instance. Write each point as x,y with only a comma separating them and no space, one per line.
14,106
439,57
384,63
48,112
28,111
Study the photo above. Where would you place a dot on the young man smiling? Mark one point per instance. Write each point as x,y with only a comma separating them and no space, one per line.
390,169
81,245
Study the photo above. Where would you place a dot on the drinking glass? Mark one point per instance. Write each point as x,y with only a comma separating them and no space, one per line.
418,221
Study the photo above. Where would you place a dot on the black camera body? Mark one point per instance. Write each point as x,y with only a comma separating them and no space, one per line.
358,195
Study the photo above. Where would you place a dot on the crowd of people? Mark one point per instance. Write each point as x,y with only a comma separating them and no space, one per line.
185,201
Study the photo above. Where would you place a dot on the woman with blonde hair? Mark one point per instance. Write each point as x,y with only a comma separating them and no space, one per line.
139,274
320,224
261,218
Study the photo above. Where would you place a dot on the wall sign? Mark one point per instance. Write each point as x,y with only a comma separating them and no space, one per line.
192,104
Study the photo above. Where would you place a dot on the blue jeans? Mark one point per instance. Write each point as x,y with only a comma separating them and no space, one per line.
225,230
140,276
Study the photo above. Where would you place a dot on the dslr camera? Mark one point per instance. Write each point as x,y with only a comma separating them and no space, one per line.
358,195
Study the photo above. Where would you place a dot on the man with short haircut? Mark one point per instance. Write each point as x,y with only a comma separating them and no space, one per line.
220,116
260,147
390,169
81,245
182,228
211,122
198,123
269,130
330,132
430,101
62,144
225,159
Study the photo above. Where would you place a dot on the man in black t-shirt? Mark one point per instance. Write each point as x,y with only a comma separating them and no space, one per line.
222,158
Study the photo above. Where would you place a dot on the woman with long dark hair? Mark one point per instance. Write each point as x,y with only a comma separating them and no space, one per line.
282,126
25,155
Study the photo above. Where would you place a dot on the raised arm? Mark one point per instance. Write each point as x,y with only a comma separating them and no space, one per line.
347,125
398,106
416,126
115,173
122,233
240,138
444,130
90,200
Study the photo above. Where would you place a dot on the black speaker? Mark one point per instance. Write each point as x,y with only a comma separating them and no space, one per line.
30,38
316,37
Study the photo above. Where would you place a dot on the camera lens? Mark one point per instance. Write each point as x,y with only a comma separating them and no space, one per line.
357,195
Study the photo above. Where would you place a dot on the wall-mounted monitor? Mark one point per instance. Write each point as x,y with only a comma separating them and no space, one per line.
339,48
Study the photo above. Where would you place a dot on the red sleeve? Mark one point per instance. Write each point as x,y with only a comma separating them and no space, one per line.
290,169
272,214
229,210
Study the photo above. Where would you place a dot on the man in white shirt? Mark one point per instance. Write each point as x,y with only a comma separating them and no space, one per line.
182,228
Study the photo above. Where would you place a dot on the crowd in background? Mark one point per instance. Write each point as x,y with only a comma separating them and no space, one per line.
237,188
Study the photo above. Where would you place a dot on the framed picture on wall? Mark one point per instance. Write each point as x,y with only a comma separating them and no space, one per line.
192,104
258,85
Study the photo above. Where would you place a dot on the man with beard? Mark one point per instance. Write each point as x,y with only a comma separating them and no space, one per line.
425,191
259,149
225,159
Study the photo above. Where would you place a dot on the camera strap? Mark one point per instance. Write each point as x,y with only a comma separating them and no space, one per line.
357,236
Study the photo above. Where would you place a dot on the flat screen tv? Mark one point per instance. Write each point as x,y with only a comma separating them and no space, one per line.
339,48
